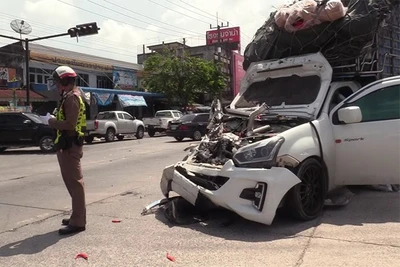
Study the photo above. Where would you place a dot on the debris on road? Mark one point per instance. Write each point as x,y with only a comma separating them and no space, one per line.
171,258
81,255
116,221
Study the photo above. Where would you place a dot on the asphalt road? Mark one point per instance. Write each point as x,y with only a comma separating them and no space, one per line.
122,177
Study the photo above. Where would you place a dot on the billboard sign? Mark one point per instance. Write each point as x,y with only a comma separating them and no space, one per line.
228,35
238,72
124,79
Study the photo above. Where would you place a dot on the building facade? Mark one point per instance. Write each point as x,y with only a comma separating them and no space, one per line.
94,74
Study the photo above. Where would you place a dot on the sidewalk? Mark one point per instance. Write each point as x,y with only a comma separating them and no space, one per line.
365,233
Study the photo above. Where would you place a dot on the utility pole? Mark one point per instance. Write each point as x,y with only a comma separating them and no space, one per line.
219,49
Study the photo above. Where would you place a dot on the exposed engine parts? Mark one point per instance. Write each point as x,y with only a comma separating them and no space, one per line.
228,133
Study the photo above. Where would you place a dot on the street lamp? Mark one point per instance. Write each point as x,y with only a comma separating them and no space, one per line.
77,31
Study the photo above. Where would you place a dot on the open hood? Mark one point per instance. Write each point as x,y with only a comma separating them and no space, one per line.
290,86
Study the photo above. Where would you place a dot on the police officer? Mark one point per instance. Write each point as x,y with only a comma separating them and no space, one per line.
70,124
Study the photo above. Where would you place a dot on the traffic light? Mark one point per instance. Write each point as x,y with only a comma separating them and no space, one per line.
84,29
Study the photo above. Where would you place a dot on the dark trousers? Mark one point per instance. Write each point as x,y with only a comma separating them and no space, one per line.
71,171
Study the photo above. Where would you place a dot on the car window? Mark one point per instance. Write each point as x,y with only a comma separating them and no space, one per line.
177,114
166,114
187,118
380,105
201,118
128,117
106,116
120,116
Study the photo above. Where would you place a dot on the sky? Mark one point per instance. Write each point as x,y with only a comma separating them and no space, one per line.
127,25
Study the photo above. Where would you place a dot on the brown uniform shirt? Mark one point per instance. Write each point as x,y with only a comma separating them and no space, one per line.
71,108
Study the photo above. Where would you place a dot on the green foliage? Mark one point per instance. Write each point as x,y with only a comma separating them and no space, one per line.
180,78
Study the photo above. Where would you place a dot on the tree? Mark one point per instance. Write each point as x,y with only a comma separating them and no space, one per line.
181,78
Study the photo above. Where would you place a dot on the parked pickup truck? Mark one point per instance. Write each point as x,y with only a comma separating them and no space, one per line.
161,120
318,135
111,124
23,129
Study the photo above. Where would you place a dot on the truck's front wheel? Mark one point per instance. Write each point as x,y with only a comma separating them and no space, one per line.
151,132
89,139
305,201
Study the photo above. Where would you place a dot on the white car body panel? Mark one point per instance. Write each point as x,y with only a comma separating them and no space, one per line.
369,152
279,181
375,160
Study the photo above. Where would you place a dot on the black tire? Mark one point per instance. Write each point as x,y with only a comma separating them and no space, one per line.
179,139
151,132
2,149
46,144
197,135
89,139
305,201
110,135
120,137
140,132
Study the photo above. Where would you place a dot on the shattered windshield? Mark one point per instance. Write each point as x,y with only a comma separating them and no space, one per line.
293,90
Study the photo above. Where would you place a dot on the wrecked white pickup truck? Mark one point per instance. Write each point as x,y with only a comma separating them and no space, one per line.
293,135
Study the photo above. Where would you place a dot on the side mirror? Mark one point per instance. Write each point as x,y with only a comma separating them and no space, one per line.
27,122
350,115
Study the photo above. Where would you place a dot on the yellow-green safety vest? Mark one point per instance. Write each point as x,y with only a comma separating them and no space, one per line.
81,123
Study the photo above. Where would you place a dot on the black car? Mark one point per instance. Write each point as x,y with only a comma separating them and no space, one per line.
20,129
189,126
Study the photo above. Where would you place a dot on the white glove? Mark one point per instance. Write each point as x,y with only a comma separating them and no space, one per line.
46,118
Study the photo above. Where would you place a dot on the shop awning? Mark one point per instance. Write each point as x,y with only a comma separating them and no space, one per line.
121,92
132,101
20,95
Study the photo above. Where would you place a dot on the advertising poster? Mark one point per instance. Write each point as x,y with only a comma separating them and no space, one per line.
238,72
124,79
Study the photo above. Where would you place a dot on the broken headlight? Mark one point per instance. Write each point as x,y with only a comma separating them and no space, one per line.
260,154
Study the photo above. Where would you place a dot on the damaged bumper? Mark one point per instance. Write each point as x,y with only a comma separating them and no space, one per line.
254,194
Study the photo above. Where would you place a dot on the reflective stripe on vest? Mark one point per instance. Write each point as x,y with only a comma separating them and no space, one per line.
80,124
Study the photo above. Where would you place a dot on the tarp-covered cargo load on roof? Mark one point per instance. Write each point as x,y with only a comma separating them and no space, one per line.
337,29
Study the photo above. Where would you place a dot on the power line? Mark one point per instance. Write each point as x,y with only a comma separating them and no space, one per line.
179,12
51,27
135,26
101,44
190,10
133,17
134,12
200,10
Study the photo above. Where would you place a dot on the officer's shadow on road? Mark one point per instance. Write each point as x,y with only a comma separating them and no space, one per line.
31,245
366,207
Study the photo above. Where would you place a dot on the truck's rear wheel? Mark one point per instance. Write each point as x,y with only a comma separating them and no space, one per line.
89,139
151,132
110,135
305,201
